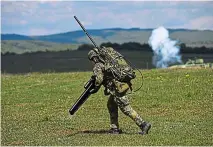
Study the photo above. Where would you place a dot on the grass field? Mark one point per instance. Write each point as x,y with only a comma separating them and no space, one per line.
178,103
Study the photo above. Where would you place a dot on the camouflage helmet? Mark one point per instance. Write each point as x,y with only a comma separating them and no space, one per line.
92,54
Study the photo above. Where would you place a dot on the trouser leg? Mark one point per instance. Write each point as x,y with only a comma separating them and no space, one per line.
113,111
126,108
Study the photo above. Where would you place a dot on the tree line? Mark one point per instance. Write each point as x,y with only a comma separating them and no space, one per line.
134,46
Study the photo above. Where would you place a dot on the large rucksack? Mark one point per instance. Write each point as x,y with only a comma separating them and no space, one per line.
116,64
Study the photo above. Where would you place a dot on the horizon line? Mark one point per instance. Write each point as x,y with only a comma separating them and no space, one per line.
114,28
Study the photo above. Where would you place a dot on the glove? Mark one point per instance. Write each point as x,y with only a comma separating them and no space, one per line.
93,77
106,91
95,89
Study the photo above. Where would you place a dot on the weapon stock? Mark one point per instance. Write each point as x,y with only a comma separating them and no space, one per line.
89,86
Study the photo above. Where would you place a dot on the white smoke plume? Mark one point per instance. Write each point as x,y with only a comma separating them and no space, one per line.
166,51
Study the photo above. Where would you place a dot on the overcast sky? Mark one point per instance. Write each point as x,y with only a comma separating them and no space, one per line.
49,17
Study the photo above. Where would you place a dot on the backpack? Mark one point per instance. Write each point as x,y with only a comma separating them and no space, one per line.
116,64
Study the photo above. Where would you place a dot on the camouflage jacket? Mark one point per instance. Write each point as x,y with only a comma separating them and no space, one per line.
106,79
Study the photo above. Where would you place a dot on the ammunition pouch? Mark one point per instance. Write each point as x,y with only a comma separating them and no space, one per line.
121,87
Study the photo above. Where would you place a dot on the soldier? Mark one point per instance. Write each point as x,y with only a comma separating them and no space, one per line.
117,92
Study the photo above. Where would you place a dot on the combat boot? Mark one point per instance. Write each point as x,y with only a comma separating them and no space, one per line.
145,128
115,131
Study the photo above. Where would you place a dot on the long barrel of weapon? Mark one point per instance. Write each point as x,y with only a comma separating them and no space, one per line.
86,32
84,96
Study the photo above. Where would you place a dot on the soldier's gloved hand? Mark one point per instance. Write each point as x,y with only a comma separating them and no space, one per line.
93,77
95,89
106,91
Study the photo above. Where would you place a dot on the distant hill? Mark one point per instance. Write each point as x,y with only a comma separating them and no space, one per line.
119,35
23,46
15,37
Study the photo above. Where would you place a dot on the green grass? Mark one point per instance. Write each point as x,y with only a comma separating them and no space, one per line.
178,103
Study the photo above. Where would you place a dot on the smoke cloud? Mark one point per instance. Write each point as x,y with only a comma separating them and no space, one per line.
166,51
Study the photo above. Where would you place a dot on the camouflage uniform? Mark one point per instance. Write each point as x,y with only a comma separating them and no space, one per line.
118,98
